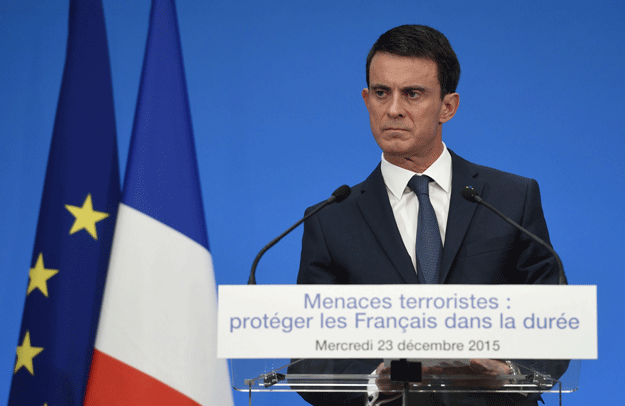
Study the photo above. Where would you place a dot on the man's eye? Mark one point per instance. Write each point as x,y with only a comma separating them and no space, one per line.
380,93
412,94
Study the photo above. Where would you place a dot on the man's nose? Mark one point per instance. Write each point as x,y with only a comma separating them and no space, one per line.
396,108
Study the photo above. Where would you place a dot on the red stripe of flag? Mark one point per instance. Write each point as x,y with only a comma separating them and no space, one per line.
112,382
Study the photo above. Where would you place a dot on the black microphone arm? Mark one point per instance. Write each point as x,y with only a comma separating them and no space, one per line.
338,196
470,194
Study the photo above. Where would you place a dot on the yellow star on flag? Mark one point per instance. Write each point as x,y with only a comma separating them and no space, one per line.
39,276
86,217
25,355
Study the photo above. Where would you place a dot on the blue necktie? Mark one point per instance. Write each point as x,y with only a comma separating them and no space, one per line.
429,245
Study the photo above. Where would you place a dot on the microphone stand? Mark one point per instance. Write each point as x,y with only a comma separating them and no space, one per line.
338,196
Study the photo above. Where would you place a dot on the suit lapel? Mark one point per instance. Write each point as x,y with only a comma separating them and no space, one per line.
377,212
461,211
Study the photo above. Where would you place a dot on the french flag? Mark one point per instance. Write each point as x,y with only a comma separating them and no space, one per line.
157,340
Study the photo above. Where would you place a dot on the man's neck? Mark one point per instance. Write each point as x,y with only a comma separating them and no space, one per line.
416,163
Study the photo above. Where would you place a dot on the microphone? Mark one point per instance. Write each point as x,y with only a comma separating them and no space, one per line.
338,196
470,194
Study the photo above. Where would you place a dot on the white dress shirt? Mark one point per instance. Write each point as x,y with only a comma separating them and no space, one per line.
405,203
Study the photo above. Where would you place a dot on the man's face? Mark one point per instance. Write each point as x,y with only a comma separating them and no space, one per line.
405,108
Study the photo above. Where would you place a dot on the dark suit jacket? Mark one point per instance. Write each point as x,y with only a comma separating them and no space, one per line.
357,242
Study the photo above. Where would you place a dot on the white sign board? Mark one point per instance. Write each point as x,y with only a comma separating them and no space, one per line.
408,321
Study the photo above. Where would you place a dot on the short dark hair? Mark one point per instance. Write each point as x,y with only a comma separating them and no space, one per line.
421,41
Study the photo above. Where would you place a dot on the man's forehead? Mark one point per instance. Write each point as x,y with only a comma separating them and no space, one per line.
385,57
387,67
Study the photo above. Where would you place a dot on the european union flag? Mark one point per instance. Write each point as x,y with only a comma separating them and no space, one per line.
75,228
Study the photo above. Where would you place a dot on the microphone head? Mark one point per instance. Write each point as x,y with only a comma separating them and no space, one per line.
470,194
341,193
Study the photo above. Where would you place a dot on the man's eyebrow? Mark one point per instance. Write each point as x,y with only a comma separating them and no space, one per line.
421,89
379,86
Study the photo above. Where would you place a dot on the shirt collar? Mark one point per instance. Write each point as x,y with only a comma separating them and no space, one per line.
396,178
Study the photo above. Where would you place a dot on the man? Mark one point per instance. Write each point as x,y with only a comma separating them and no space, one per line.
376,235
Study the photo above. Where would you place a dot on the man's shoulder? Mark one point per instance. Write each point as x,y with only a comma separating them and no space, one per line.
489,174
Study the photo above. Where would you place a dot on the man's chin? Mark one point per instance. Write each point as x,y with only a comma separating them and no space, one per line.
397,154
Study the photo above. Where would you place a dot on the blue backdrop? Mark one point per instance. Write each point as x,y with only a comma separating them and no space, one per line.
274,89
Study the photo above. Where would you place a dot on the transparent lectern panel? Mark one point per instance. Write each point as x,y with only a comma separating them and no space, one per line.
345,375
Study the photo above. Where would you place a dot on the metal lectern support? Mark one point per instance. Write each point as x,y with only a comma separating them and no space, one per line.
250,394
405,394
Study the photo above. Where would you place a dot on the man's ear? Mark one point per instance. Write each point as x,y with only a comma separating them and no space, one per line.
450,106
365,96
